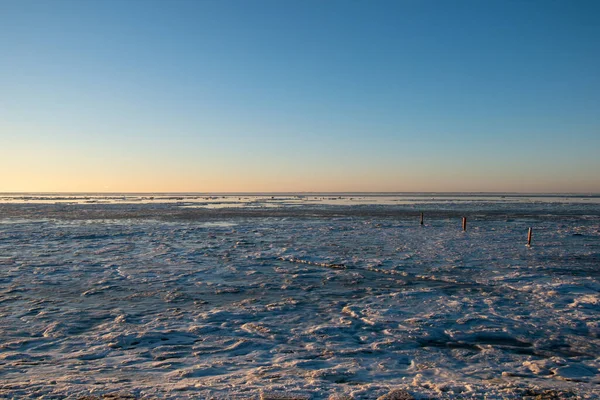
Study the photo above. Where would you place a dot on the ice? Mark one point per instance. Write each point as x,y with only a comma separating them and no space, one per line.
320,298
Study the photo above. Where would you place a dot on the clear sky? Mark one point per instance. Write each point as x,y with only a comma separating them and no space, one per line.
299,95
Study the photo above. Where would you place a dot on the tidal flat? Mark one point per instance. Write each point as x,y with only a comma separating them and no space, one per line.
312,296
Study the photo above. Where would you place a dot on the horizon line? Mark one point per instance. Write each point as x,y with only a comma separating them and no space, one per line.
345,193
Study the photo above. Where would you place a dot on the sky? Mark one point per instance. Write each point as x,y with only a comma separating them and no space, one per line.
299,95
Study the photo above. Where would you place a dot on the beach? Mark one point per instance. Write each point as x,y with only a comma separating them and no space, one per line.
317,296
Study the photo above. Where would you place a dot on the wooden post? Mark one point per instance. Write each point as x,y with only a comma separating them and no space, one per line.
465,224
421,218
529,234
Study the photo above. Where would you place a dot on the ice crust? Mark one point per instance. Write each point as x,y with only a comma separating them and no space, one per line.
309,301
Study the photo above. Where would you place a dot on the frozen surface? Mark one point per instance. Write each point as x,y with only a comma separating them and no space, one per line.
163,300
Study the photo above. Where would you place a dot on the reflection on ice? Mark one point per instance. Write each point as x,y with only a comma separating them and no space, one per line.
237,200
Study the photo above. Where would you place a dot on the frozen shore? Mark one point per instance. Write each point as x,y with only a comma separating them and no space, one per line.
326,301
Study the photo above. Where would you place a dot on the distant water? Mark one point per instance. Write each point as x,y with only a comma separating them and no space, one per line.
225,296
266,199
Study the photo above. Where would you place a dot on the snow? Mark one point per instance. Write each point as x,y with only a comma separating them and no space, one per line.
310,299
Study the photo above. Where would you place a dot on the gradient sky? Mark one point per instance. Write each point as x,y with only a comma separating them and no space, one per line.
299,95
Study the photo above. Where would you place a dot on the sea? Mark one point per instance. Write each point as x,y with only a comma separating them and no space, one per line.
299,296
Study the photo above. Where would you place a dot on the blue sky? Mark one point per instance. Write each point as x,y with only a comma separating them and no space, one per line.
300,95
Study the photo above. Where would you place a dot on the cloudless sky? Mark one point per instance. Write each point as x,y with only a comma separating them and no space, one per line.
299,95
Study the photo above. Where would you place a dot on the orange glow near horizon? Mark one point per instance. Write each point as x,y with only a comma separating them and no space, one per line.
123,179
